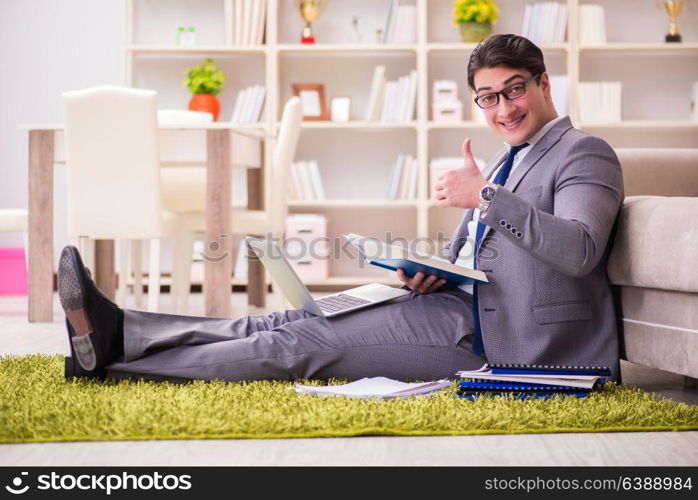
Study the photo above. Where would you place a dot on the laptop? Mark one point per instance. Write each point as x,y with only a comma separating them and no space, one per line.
298,295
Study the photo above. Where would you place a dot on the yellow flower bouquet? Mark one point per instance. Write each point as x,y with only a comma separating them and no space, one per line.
475,18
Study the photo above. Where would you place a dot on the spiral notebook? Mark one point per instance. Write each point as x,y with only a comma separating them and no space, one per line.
534,378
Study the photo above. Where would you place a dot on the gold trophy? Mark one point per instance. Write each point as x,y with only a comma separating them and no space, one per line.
310,10
672,8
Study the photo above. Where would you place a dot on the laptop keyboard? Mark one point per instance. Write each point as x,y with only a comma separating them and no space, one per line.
339,302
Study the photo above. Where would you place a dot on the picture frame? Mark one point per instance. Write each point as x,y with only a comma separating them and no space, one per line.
313,104
340,109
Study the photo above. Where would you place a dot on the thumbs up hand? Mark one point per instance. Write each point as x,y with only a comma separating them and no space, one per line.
461,187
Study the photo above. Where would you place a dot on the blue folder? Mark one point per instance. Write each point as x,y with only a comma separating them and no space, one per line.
516,387
542,395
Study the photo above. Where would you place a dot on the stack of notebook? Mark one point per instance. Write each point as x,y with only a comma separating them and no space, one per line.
532,381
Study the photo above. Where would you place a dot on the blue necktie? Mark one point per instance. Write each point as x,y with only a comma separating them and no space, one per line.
501,179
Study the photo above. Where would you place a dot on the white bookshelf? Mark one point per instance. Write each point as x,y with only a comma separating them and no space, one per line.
355,156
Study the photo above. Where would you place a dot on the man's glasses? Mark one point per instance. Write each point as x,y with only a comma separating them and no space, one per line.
511,92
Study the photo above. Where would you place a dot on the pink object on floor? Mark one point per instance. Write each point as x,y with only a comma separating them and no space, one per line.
13,272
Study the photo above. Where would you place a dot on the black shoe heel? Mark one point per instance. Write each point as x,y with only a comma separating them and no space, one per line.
68,367
71,369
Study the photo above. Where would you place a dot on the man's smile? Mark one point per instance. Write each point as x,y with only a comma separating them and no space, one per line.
513,124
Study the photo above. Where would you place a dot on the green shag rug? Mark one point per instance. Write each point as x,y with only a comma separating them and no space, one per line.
38,404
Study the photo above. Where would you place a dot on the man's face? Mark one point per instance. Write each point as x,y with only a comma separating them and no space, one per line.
515,121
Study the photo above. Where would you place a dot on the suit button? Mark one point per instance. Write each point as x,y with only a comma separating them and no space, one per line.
519,235
514,230
508,226
502,223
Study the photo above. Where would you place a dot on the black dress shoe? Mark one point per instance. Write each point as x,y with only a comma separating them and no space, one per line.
94,323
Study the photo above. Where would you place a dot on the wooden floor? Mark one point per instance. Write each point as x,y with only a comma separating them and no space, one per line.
17,336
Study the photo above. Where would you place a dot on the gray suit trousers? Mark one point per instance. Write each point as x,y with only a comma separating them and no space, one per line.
416,337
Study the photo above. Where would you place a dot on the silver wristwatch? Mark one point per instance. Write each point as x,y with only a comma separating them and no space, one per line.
487,195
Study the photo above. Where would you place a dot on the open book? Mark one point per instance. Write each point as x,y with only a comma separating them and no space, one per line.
375,387
393,257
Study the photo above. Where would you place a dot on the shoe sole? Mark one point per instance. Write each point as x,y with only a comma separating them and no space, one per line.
72,297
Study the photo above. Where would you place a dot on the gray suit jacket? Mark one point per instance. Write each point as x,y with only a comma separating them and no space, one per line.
545,251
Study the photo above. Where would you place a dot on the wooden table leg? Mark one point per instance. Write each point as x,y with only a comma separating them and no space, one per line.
104,267
40,225
218,265
256,282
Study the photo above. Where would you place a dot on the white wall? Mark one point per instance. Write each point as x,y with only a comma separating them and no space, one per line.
46,48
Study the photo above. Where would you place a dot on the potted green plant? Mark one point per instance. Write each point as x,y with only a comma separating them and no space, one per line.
205,82
475,18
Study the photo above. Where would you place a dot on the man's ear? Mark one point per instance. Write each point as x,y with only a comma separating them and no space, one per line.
545,83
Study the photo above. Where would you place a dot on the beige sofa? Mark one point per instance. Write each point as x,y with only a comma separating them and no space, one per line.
654,259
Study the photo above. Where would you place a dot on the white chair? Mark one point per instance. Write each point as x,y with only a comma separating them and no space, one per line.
111,137
16,219
184,192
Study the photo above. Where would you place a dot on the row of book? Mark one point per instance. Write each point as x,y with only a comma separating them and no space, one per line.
305,181
592,24
392,101
249,18
545,22
403,179
600,102
400,23
503,380
248,104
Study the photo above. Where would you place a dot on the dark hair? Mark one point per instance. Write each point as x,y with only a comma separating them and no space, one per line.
511,51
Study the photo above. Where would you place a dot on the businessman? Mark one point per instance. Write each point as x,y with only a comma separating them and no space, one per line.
537,220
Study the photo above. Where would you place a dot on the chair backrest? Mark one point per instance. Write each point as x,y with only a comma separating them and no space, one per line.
111,139
284,152
182,116
659,172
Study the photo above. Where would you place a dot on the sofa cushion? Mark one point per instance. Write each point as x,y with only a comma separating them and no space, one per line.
656,244
659,172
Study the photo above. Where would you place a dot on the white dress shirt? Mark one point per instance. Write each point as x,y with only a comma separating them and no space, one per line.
466,256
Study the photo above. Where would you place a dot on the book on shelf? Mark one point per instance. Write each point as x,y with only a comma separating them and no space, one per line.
592,24
403,179
545,22
305,182
600,102
558,93
390,19
249,104
392,257
248,21
400,99
531,381
405,28
375,96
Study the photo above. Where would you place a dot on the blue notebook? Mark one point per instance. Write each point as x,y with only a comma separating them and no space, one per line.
545,395
513,386
514,369
393,257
